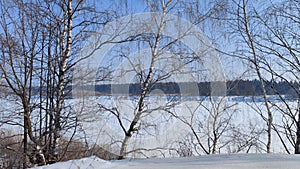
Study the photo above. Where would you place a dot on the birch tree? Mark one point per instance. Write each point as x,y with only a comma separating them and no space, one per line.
277,43
168,60
39,45
268,31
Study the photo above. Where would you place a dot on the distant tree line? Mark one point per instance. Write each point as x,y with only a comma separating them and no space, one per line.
234,88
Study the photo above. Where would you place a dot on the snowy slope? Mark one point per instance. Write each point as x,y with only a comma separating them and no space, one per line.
237,161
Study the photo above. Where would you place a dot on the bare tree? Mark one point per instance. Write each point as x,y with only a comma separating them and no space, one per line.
280,62
146,79
39,45
212,129
19,41
269,33
249,40
167,56
148,74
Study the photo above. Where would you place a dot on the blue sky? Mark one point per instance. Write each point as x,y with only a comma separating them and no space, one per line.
234,67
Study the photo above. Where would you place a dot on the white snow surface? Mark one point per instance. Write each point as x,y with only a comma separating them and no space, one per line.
234,161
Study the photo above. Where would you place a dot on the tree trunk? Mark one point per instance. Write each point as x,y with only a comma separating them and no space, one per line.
145,87
257,69
297,146
66,49
25,160
124,147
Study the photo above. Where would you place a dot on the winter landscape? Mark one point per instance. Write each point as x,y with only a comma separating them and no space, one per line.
149,84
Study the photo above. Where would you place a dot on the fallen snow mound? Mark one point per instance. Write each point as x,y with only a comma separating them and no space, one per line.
92,162
237,161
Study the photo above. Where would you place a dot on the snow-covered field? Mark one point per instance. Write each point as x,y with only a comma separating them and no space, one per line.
245,122
241,114
237,161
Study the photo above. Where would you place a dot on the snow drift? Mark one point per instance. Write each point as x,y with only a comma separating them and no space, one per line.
236,161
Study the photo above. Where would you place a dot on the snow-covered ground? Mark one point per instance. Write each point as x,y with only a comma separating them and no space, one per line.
242,113
170,135
237,161
242,116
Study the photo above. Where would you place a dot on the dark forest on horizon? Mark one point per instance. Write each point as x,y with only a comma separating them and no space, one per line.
234,88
